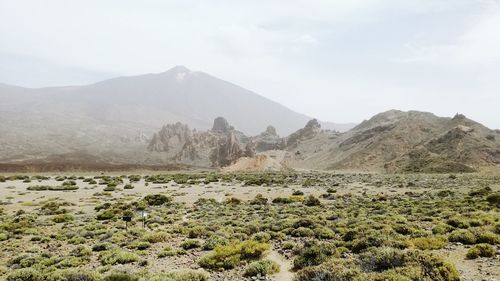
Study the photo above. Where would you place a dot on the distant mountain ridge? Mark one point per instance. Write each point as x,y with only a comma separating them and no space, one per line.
100,117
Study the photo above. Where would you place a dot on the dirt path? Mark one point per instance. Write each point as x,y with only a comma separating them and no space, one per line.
485,269
285,266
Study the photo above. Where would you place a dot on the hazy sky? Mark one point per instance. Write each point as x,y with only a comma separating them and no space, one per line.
338,60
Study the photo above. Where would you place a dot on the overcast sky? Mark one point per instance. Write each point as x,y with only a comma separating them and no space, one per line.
337,60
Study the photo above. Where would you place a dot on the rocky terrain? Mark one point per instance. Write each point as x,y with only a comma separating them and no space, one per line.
392,141
413,142
165,119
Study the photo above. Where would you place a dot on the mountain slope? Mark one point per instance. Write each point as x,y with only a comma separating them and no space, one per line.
396,141
108,117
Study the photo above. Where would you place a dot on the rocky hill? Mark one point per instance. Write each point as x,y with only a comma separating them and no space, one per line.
397,141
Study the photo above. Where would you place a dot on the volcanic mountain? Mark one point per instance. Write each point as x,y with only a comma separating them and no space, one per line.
118,115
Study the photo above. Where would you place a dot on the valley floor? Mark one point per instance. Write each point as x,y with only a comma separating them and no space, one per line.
250,226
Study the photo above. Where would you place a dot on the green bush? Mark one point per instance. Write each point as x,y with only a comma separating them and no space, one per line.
262,268
3,236
117,256
481,250
334,270
313,254
120,276
186,275
190,244
73,275
302,232
494,199
487,237
25,274
157,199
259,200
101,247
214,241
106,214
228,257
462,236
311,201
62,218
169,252
429,243
156,237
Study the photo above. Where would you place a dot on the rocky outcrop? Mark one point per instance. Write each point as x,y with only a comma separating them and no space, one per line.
221,125
217,147
311,129
177,142
267,140
227,151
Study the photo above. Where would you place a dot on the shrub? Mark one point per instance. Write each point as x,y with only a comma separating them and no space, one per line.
334,270
25,274
259,200
3,236
487,237
188,275
73,275
169,252
380,259
407,265
282,200
190,244
229,256
213,241
311,201
117,256
128,186
262,237
458,222
120,276
62,218
481,250
106,214
156,237
101,247
442,228
494,199
142,245
302,232
262,268
81,251
462,236
313,254
429,243
157,199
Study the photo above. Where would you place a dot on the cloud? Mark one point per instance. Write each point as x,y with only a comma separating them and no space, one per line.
478,45
338,60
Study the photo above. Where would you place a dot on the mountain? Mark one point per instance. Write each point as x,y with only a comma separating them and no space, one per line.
397,141
117,116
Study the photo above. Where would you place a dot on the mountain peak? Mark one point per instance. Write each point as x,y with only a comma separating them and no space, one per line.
179,69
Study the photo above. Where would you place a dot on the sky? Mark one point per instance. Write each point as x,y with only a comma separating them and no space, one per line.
340,61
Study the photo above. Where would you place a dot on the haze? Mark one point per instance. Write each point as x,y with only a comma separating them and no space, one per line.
340,61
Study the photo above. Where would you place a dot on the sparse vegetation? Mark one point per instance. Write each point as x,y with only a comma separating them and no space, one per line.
368,227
